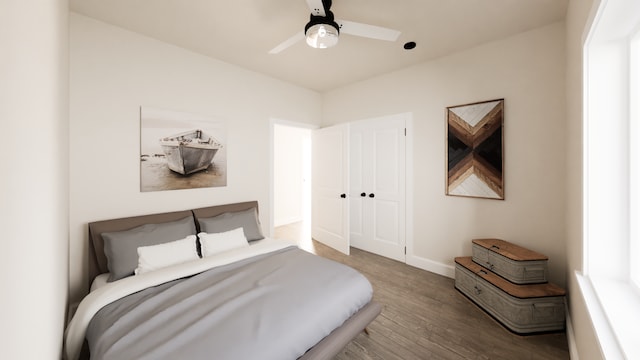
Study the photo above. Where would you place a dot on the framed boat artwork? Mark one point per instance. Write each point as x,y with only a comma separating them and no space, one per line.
180,150
474,154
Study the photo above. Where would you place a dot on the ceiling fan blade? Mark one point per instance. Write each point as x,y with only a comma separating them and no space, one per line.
289,42
316,7
368,31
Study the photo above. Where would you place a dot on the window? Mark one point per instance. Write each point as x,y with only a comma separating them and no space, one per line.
612,177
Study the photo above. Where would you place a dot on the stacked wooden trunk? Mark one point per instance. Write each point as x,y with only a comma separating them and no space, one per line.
510,283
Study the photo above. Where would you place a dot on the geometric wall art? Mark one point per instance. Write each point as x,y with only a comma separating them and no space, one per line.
475,150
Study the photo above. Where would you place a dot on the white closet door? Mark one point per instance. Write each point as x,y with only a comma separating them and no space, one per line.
377,186
329,184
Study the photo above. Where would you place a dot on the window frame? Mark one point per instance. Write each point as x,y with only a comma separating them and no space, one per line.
611,193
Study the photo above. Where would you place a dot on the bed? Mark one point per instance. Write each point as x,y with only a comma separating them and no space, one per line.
231,294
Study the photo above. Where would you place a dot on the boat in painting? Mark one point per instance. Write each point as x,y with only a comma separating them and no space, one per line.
190,151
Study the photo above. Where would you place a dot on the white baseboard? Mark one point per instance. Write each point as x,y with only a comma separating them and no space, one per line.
571,336
432,266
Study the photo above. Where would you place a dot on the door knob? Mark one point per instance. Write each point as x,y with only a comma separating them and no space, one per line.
363,194
343,195
371,195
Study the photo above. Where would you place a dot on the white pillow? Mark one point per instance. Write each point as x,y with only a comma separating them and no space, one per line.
155,257
215,243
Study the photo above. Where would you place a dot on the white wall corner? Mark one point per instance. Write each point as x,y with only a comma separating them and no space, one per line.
571,336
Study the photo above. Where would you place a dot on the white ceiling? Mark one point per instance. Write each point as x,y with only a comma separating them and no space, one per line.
241,32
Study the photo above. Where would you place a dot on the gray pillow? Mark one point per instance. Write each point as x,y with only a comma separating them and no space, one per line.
121,247
247,219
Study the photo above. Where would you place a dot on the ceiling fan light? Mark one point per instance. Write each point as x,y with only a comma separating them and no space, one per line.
321,36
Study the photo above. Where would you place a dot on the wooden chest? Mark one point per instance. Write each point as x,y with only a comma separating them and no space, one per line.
514,263
523,309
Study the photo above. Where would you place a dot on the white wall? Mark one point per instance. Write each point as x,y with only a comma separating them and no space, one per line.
288,173
34,181
528,70
113,73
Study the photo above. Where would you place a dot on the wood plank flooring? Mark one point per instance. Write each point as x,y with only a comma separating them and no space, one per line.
424,317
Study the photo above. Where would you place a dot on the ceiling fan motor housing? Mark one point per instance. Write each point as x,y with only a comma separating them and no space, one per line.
322,31
326,20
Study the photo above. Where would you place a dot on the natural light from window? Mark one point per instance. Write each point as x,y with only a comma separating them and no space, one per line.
611,271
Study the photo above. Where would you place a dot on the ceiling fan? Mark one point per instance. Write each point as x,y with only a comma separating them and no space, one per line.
322,30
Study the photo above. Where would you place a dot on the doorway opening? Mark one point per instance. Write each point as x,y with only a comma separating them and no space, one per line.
292,182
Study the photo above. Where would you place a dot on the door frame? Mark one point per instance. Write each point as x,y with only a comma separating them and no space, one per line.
408,178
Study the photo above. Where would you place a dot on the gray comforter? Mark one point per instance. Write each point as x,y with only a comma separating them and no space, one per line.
272,306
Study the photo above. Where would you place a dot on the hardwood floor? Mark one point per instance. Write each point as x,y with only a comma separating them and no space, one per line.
424,317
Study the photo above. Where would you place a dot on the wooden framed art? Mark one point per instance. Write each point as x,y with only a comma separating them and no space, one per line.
475,150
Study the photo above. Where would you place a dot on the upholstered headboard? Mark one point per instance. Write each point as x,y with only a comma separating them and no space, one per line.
97,257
